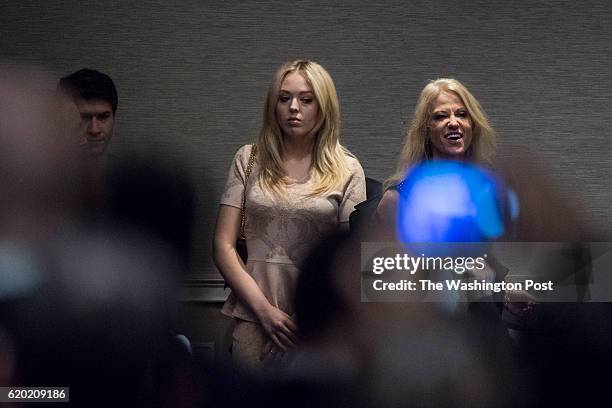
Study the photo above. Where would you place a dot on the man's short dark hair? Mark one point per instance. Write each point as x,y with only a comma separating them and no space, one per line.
89,84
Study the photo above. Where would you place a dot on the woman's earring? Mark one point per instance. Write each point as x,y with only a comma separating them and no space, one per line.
428,150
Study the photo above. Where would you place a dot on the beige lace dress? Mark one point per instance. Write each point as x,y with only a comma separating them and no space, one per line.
280,231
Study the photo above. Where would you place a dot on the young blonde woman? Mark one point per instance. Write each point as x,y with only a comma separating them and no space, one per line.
303,183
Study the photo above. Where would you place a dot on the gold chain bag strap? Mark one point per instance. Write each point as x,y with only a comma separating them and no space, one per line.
241,247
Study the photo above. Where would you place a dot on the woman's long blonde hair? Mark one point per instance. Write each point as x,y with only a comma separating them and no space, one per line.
328,155
482,148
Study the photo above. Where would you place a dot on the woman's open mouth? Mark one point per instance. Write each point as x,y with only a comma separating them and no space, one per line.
453,136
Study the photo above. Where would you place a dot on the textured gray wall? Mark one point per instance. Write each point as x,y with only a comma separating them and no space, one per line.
192,76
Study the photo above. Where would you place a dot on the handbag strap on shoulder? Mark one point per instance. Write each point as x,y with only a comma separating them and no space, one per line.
246,180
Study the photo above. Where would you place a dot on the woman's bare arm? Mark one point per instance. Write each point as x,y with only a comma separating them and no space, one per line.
279,326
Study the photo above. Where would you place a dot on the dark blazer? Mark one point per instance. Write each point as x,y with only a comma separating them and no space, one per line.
365,210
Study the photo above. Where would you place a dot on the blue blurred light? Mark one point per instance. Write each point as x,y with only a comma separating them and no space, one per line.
446,201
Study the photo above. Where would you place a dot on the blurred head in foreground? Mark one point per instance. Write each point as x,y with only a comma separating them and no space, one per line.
389,354
39,160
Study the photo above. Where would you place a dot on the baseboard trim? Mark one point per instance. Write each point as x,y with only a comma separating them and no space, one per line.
206,290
